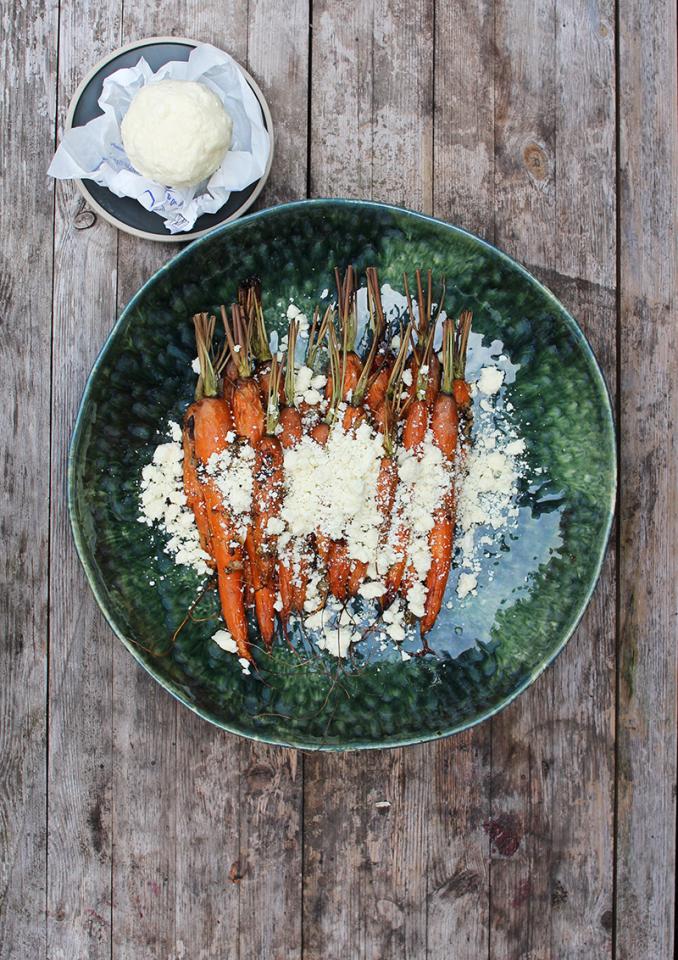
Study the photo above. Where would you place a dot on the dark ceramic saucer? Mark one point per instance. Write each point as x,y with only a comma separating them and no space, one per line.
125,213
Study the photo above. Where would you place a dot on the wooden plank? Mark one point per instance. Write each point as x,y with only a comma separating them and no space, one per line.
81,648
463,143
582,767
556,90
371,135
277,57
458,869
28,65
648,510
520,791
365,865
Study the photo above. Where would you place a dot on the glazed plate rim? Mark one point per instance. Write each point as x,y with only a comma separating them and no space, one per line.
92,576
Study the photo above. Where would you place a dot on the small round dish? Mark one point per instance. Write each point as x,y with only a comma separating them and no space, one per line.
125,213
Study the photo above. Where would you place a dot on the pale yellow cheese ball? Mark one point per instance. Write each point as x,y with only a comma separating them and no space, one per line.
176,132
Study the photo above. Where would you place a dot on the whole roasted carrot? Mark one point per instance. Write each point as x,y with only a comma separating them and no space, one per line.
445,429
440,544
211,425
267,497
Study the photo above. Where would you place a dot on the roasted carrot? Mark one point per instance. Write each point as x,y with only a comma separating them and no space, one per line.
376,391
461,387
267,494
212,424
444,428
440,545
351,364
414,433
264,594
289,418
338,569
355,412
248,410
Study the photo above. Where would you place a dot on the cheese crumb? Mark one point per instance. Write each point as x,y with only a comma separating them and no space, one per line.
490,380
223,639
467,583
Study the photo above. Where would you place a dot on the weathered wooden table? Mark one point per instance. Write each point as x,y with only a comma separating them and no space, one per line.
132,829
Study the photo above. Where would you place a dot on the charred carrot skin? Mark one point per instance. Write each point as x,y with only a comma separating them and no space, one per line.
264,594
248,411
292,427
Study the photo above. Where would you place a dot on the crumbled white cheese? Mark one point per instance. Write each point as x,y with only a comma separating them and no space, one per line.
231,471
223,639
467,583
245,664
490,380
333,489
195,365
163,503
370,591
336,640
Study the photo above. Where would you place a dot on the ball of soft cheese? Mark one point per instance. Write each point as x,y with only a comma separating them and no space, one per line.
176,132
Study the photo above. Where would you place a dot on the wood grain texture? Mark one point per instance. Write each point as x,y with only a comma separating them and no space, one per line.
556,116
81,647
28,68
648,511
463,117
129,828
278,49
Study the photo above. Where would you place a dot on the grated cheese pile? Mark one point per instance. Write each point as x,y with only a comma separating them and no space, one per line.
163,502
231,470
332,489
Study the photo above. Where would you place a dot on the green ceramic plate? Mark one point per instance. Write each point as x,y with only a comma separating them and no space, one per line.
537,584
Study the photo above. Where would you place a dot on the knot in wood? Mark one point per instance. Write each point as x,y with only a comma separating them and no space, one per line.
536,161
84,219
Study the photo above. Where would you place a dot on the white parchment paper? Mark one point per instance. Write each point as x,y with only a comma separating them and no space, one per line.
95,151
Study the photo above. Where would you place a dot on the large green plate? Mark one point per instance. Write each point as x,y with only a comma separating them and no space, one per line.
490,647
